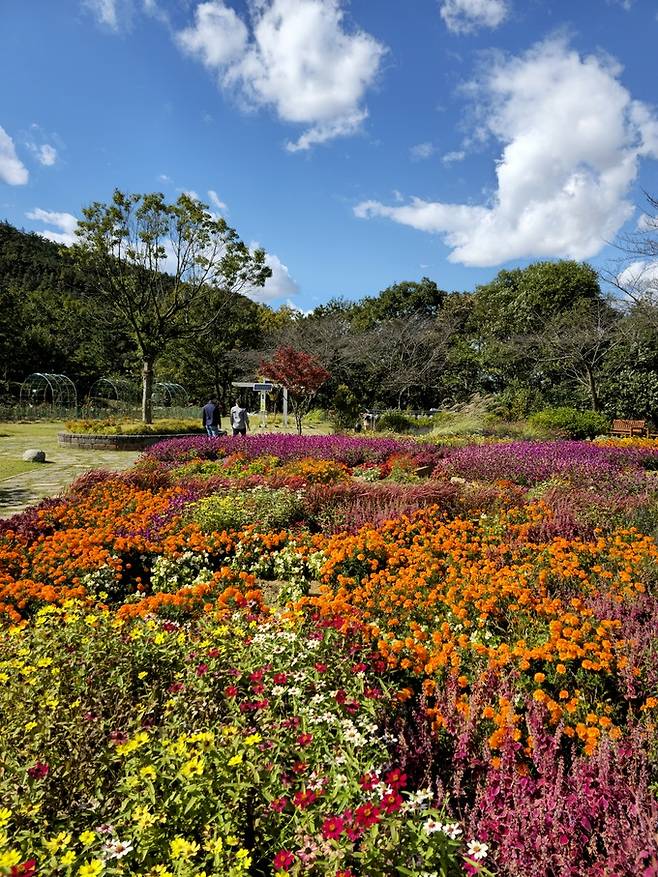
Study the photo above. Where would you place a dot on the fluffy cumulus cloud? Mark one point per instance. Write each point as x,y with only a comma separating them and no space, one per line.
64,224
12,169
466,16
640,278
572,138
279,286
295,56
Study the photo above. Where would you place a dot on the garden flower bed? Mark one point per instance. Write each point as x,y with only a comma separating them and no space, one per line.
456,675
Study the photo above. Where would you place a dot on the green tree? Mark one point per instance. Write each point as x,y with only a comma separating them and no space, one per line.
163,271
399,301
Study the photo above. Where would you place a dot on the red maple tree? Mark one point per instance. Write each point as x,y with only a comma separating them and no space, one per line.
300,373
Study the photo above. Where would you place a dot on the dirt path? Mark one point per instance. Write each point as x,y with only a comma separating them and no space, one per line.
50,478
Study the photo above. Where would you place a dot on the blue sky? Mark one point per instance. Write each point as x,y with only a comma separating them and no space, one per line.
359,143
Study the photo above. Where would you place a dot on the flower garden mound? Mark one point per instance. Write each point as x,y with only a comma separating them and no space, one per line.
471,688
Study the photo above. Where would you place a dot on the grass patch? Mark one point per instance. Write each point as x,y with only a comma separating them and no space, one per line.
9,468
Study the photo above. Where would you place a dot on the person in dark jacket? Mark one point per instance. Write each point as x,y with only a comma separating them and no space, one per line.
211,417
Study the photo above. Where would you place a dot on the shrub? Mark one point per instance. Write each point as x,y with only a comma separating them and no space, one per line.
394,421
109,426
570,422
235,509
346,408
517,402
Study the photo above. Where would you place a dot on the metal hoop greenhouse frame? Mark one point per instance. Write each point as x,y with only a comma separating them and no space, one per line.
41,389
168,395
117,393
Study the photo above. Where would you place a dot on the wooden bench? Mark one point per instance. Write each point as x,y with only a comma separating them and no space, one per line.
629,428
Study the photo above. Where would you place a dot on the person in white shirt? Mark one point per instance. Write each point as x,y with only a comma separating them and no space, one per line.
239,419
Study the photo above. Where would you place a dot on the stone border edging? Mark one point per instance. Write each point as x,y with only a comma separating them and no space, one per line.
94,442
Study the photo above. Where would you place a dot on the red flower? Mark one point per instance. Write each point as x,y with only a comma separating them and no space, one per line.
304,799
368,782
320,667
278,804
305,739
346,873
201,669
299,766
396,778
256,676
367,815
279,678
332,828
231,691
213,653
39,771
283,861
26,869
359,668
392,802
258,688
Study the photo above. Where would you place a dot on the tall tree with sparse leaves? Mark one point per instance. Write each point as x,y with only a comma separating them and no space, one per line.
163,271
301,374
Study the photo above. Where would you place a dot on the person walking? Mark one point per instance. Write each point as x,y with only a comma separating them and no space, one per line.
211,417
239,419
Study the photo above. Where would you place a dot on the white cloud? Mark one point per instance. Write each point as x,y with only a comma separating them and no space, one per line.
65,222
295,56
45,154
218,36
452,157
215,200
279,286
640,278
12,169
572,141
466,16
421,151
105,12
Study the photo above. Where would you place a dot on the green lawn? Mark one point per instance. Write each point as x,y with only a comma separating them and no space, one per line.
9,467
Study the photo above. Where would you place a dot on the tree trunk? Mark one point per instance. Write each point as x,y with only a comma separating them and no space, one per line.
591,383
147,391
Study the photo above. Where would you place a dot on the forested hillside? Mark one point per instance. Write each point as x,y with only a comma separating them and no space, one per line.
533,337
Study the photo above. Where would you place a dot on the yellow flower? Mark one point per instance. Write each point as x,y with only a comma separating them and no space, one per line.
193,767
149,772
237,759
30,726
5,816
161,871
9,859
130,745
68,858
59,842
179,848
242,854
252,739
143,817
215,846
87,837
4,677
142,675
91,869
232,840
